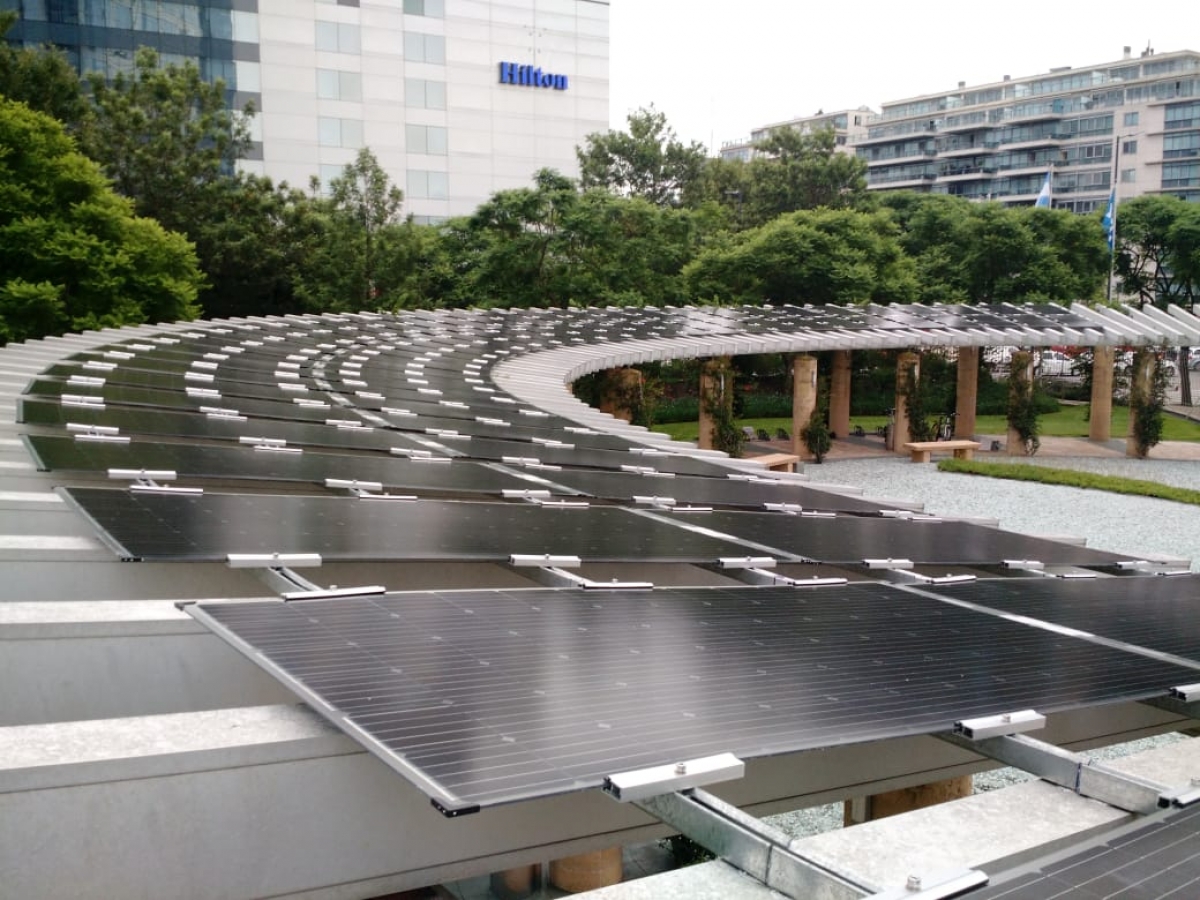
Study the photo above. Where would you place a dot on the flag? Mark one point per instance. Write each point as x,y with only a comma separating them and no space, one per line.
1110,220
1043,198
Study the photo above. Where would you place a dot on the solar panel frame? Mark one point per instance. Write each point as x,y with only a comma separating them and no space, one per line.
500,696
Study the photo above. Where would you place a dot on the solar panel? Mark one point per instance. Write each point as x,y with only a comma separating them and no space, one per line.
487,697
149,526
851,539
1158,613
1153,859
244,462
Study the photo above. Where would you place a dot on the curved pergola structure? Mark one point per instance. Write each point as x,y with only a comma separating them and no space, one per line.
473,580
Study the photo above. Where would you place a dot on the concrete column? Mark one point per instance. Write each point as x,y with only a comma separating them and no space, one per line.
1141,383
891,803
804,399
839,394
1100,416
618,389
900,434
716,385
515,884
587,871
1022,361
968,392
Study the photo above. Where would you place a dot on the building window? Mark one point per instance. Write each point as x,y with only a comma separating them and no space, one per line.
422,94
339,37
333,132
434,9
327,173
1128,176
1130,119
426,48
1129,147
423,185
335,85
429,139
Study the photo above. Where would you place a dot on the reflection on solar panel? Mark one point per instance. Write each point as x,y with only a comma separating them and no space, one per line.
245,462
489,697
1157,613
848,539
211,526
1152,860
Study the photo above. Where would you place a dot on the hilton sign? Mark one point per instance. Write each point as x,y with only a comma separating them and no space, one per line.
528,76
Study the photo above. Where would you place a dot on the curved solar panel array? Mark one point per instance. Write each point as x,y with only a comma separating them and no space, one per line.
423,438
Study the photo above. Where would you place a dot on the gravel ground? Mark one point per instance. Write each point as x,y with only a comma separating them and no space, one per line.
1139,526
1135,525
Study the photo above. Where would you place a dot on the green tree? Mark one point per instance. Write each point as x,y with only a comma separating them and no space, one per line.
72,254
355,265
163,135
42,78
802,170
647,161
550,245
819,256
985,253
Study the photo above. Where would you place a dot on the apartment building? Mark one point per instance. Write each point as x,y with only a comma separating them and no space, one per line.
1135,121
456,98
849,125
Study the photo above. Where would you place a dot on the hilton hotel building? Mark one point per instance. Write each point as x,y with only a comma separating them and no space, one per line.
457,99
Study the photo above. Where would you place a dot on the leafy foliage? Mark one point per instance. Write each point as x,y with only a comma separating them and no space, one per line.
802,170
1071,478
647,161
821,256
72,254
817,437
1022,411
1147,400
921,426
42,79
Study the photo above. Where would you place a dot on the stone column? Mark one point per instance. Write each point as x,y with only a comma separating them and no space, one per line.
839,394
515,884
968,392
1100,416
1141,383
587,871
716,386
891,803
1022,361
804,399
618,388
900,434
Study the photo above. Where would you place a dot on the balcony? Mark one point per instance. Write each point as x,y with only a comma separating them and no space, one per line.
976,150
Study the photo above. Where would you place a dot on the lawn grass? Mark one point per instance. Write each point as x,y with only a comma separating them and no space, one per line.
1069,421
1071,478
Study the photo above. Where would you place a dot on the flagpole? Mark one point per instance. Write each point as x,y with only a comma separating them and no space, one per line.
1112,225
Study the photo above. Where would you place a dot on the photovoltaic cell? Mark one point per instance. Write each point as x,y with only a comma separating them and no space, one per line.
1157,613
851,539
1154,859
211,526
489,697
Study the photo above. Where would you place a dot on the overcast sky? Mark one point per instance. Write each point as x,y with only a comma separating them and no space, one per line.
719,69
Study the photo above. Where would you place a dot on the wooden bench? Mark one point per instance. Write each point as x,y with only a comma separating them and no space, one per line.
920,450
777,462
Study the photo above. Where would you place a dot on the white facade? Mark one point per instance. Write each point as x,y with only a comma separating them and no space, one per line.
418,82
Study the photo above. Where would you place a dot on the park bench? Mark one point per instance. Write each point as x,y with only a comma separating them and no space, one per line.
776,462
920,450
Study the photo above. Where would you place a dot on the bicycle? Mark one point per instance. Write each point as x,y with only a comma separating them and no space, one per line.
945,427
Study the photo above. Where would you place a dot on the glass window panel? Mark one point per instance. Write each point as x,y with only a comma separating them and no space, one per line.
248,76
351,86
245,26
439,186
328,84
435,140
352,134
414,46
435,9
348,38
414,7
435,48
414,138
329,132
220,23
435,95
418,183
327,36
